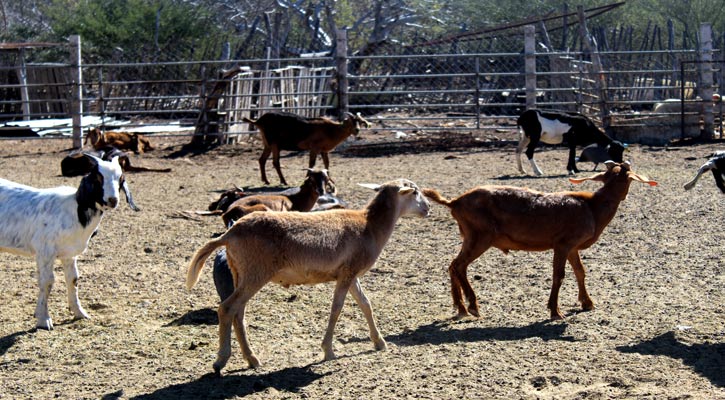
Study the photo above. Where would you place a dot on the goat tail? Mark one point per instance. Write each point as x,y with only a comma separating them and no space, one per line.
197,263
435,196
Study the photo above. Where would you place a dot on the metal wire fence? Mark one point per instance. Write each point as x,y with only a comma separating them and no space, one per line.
413,89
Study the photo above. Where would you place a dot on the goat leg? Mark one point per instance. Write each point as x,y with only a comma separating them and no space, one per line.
338,300
364,304
45,282
580,273
276,164
71,282
557,278
263,162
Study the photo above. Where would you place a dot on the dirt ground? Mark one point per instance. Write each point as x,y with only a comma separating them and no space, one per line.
657,277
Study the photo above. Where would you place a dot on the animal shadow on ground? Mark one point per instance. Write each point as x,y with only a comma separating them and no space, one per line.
210,386
8,341
706,359
532,177
204,316
441,332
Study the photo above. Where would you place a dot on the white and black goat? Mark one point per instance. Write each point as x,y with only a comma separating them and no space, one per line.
716,164
57,223
555,127
81,163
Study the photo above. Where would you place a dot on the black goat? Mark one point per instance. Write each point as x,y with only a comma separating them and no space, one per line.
555,127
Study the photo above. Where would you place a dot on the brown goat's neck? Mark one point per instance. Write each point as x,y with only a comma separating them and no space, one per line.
605,202
381,214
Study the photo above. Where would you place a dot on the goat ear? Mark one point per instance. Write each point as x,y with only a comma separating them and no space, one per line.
129,198
610,164
597,177
642,179
92,159
372,186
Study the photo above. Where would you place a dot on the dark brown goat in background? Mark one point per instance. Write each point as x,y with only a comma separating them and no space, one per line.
512,218
287,131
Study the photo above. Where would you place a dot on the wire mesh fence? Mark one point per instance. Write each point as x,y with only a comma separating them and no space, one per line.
422,88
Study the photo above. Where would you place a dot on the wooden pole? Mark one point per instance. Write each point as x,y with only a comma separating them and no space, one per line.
600,81
706,83
76,108
343,101
530,65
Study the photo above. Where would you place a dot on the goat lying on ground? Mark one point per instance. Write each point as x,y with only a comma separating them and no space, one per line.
555,127
120,140
57,223
287,131
307,248
716,164
303,200
512,218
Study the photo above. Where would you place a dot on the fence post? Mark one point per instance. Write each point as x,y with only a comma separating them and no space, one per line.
707,80
23,77
600,81
76,105
343,102
530,65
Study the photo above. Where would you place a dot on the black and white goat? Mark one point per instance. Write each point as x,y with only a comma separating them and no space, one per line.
57,223
555,127
716,164
81,163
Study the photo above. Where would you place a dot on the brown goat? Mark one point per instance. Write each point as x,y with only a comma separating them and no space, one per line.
306,249
287,131
311,189
512,218
120,140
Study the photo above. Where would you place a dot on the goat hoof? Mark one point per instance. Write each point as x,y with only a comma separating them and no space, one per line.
253,362
217,369
557,316
330,355
45,324
460,315
80,314
381,345
587,305
474,311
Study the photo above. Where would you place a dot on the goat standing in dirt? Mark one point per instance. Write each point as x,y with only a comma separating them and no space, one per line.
287,131
294,248
512,218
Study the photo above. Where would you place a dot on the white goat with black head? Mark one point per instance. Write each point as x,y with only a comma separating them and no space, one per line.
57,223
716,164
556,127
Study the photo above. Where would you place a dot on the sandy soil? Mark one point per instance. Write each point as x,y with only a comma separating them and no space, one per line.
657,277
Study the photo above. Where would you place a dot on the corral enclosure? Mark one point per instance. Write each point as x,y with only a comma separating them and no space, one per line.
656,275
457,84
